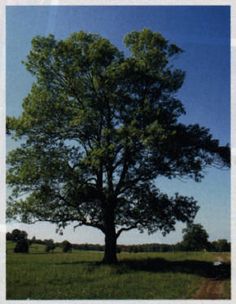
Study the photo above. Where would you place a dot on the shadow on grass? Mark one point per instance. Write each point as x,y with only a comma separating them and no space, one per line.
201,268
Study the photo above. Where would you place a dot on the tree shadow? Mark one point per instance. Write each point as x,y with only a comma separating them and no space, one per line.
201,268
160,265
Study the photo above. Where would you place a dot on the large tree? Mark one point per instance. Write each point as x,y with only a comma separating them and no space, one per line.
98,128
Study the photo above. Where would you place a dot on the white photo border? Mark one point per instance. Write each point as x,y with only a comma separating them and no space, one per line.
3,5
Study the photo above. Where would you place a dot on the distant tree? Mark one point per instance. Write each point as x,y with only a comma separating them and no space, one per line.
98,128
49,245
66,246
8,236
22,246
195,238
18,235
33,240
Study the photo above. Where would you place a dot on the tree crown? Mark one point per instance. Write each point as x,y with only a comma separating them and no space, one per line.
99,128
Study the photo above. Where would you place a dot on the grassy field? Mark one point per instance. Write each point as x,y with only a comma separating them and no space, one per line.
79,275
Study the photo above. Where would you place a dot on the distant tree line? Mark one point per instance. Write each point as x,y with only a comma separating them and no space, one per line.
217,246
195,239
23,244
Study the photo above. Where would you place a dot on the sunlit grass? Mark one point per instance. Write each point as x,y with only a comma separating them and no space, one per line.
79,275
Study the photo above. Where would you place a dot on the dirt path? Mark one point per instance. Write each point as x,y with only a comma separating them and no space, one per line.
210,289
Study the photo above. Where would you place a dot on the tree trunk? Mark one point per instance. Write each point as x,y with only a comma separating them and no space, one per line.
110,249
110,239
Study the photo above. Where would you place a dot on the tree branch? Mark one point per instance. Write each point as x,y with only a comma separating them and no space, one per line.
123,173
85,223
126,229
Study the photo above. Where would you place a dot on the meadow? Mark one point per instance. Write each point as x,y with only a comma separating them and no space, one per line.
80,275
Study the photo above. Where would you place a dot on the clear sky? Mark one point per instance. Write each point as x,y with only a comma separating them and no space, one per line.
203,32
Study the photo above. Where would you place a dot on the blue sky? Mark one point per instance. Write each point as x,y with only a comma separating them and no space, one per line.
203,32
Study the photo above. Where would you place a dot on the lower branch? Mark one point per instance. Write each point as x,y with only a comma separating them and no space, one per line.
125,229
84,223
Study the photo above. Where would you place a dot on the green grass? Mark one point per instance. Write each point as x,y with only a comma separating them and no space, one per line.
79,275
227,289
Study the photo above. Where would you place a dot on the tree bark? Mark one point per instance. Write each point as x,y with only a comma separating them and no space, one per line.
110,238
